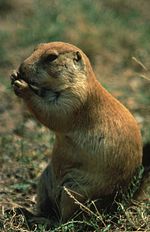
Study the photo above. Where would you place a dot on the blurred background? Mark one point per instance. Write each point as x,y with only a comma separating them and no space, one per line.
115,35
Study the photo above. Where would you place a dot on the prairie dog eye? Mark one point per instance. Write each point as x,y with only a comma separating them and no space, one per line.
50,57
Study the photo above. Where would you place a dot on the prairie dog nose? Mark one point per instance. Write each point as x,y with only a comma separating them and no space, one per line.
22,69
25,69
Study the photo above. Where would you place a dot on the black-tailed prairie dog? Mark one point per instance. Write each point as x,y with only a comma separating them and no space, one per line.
98,143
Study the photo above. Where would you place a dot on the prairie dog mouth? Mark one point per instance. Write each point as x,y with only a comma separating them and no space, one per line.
35,88
47,93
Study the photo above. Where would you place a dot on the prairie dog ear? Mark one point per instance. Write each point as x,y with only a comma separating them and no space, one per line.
78,56
78,59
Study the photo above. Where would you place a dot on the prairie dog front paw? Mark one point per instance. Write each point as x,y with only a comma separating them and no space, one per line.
14,76
21,88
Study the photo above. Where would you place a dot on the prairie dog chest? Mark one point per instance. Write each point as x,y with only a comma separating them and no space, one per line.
75,149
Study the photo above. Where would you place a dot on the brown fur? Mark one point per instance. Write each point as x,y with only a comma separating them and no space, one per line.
98,143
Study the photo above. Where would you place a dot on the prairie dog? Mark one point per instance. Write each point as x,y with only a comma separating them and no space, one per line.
98,144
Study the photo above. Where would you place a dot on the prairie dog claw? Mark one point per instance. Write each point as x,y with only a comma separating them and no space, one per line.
14,76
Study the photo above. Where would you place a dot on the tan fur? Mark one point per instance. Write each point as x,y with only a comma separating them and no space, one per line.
98,143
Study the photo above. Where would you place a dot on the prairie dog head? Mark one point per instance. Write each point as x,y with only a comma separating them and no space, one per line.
56,69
